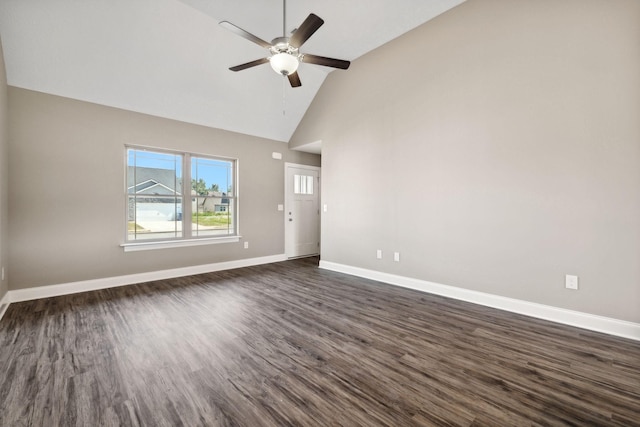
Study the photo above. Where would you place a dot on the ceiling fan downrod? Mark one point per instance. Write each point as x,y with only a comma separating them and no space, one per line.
284,18
284,59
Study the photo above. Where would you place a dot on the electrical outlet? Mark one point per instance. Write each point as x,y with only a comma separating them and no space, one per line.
396,256
246,245
571,282
379,254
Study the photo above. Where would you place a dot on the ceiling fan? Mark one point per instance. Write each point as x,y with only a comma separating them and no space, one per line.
285,55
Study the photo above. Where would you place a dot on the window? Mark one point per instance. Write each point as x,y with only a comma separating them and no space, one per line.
302,184
179,196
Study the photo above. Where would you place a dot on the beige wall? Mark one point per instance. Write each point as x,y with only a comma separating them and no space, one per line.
66,194
497,148
4,175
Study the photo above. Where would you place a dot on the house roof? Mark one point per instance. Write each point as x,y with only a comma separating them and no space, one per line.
152,181
170,58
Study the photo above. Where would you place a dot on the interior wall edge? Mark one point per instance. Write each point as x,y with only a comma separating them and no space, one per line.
4,175
27,294
607,325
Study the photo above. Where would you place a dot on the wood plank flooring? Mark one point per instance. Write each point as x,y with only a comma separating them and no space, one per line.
288,344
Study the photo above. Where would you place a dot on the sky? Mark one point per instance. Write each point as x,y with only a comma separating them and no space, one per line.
211,170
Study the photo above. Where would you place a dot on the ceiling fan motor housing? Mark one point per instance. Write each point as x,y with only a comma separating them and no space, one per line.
285,58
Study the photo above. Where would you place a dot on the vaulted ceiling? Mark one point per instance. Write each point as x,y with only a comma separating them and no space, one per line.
170,58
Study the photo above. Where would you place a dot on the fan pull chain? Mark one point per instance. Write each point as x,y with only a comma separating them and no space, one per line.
284,93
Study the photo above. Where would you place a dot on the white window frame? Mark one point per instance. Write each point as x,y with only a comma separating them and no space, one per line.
187,238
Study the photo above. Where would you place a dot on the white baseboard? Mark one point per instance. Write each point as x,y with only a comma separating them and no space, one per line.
591,322
4,304
112,282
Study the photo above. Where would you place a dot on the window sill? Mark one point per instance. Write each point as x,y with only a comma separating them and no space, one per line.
148,246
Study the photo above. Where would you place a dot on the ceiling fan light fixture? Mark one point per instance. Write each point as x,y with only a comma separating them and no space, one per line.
284,63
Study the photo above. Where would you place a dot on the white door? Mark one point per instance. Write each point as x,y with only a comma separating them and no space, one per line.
302,214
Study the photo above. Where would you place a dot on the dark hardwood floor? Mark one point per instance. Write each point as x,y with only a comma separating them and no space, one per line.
289,344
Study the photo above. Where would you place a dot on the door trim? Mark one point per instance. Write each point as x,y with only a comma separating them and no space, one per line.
287,201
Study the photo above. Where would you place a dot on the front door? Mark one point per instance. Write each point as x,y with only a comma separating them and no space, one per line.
302,214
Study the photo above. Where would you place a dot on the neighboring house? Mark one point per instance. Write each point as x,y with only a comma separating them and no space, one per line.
150,182
215,201
152,187
154,194
144,177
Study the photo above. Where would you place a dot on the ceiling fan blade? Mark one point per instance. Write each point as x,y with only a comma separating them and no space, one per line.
294,79
249,64
242,33
306,30
328,62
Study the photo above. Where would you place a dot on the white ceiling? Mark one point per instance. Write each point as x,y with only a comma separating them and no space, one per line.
170,58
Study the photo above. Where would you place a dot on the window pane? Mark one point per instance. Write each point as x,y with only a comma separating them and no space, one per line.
303,184
211,177
309,185
154,180
296,184
149,172
212,216
154,217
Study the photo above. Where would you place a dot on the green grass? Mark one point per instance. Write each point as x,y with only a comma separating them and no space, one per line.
131,226
211,218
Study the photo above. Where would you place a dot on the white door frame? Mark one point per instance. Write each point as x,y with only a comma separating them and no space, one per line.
287,202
